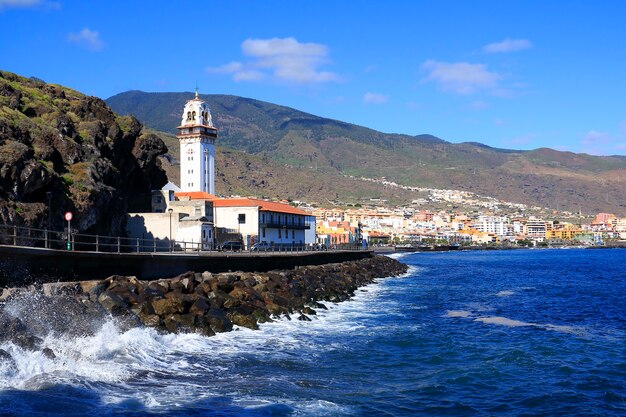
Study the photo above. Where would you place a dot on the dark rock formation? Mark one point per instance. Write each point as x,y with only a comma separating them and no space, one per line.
63,151
204,303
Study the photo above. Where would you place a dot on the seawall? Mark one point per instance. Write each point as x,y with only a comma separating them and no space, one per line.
25,265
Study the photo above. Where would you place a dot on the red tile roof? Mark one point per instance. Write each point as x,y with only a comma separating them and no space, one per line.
243,202
196,195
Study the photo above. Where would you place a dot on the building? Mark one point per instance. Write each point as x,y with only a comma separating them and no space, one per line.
192,216
280,225
496,225
197,136
181,227
536,229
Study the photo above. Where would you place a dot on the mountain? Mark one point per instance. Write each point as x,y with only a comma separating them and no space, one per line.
329,150
63,151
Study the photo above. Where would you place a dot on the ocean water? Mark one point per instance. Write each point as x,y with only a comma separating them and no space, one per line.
528,332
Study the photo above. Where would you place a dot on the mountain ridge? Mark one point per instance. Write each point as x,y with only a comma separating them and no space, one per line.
289,137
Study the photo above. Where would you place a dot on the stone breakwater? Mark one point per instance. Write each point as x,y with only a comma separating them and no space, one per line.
205,303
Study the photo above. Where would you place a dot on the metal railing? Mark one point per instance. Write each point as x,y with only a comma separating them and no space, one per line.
51,239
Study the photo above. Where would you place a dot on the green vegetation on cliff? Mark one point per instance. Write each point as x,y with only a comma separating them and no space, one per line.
68,150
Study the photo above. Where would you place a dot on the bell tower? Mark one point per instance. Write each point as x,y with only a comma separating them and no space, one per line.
197,136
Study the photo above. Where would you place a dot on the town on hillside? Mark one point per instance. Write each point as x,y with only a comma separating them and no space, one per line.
191,214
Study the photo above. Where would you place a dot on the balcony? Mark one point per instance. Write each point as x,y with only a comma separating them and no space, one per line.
291,226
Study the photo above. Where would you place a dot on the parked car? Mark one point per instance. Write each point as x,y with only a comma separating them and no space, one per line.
231,245
261,247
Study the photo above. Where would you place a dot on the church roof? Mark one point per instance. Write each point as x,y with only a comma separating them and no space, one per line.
170,186
195,195
243,202
261,204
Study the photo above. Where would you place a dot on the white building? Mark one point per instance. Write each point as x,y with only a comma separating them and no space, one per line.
188,223
280,225
497,225
197,135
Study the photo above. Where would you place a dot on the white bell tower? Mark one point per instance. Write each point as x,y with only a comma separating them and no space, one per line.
197,135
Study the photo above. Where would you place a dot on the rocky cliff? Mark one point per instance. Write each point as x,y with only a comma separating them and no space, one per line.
63,151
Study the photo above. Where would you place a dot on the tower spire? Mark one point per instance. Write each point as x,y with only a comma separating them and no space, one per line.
197,136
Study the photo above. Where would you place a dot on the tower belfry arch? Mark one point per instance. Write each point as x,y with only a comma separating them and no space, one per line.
197,135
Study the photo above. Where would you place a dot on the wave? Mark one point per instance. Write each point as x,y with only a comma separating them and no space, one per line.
503,321
505,293
185,367
397,255
507,322
458,313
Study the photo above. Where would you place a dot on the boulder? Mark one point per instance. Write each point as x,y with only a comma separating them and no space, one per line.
244,321
113,303
303,317
48,353
7,359
309,311
168,306
200,307
218,321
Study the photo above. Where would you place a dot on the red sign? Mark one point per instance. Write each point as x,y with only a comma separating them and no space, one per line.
68,216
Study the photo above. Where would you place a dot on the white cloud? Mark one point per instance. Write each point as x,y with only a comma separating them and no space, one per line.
28,4
412,105
523,140
601,143
238,70
18,3
460,77
375,98
593,137
87,38
283,59
507,45
370,68
478,105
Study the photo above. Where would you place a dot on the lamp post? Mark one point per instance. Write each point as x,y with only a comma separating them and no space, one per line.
169,210
49,199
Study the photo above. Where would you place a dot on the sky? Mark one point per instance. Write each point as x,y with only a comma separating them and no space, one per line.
509,74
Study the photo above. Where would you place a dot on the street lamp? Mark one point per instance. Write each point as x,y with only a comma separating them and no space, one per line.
169,210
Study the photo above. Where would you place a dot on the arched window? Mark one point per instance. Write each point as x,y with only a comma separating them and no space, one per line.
193,115
188,115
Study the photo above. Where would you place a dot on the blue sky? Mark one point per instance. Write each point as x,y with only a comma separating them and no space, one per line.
510,74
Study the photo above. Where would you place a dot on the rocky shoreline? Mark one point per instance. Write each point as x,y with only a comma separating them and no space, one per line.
204,303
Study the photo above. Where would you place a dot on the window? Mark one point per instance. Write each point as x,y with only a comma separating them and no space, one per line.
241,219
280,234
293,234
263,230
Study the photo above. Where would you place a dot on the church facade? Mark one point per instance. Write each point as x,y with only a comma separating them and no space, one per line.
197,136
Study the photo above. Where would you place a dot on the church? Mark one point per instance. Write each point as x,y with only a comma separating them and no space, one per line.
192,216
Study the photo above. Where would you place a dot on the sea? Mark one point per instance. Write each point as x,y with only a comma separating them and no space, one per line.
476,333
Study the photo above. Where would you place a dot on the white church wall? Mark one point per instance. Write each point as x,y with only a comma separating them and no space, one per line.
228,217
